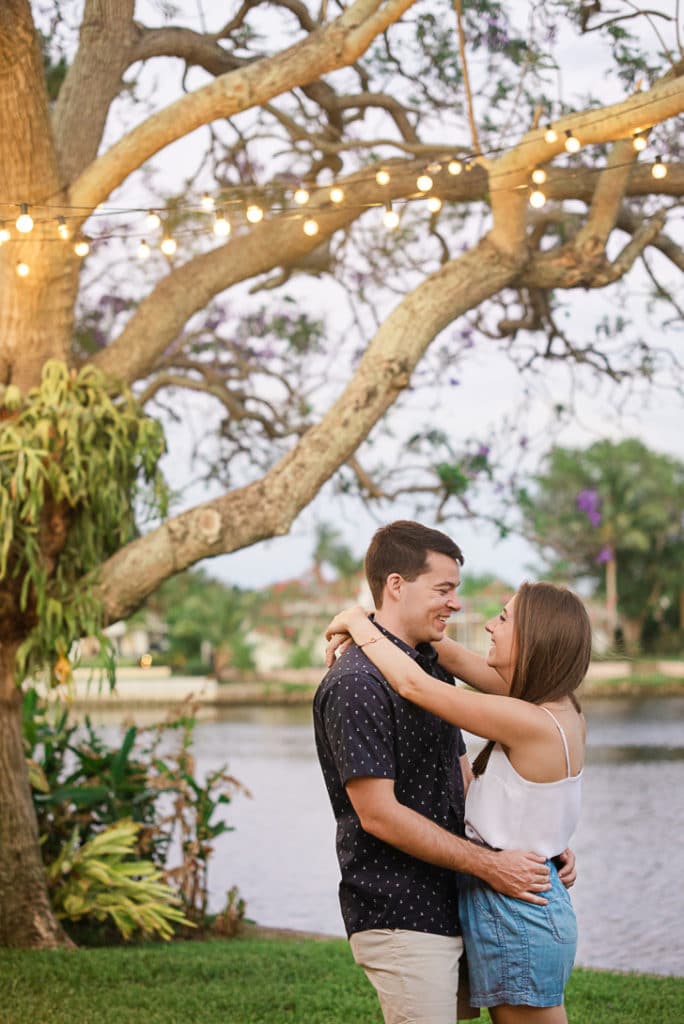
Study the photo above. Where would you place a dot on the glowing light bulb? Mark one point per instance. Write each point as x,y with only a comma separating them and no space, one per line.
454,167
336,194
390,218
434,168
639,142
207,202
24,220
434,204
254,213
550,134
81,247
221,225
537,198
301,196
310,227
23,269
62,229
4,234
168,245
659,169
152,220
424,182
572,143
143,250
538,175
382,177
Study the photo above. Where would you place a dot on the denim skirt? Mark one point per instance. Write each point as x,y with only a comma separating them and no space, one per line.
519,954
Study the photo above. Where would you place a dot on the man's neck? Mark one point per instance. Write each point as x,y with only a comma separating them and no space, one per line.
394,627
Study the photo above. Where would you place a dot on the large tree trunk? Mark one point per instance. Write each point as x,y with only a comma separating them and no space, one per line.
26,918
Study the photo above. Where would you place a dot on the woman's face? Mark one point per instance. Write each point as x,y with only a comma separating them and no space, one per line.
502,653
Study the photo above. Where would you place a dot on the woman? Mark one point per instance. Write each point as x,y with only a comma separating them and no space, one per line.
525,793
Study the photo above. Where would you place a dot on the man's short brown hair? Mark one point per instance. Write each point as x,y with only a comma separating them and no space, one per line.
403,547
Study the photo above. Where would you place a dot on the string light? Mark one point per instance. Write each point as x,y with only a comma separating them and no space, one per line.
254,213
659,169
221,225
23,269
572,143
24,220
301,195
390,217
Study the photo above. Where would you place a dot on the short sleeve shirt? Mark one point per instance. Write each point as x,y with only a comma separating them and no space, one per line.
364,729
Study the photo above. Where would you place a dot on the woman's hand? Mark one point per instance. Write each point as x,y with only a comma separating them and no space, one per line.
336,645
340,631
347,621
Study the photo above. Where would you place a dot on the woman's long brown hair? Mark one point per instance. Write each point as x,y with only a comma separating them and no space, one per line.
552,645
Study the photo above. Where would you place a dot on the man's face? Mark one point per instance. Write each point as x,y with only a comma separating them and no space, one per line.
427,603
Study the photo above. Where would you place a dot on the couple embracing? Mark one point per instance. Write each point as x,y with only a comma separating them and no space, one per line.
436,855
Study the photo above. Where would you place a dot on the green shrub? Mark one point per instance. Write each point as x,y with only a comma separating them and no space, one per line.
82,787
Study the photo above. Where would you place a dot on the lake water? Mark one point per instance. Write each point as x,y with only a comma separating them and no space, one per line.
629,895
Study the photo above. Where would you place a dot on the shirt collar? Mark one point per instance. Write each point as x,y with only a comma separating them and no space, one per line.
423,651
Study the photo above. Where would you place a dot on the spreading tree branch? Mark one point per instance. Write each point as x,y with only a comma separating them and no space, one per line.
334,46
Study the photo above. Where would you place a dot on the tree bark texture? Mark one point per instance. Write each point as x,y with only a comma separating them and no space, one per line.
26,918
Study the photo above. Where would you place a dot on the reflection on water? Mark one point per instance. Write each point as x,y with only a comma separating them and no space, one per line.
629,897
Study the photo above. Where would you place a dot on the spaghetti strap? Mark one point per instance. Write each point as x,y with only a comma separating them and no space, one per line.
562,733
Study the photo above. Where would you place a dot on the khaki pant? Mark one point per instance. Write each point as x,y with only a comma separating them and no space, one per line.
414,973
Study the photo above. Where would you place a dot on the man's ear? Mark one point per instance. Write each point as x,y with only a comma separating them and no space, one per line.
393,586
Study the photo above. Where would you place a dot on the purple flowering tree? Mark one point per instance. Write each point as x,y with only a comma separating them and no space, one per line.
612,515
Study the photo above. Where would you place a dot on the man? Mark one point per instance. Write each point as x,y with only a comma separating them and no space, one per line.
394,774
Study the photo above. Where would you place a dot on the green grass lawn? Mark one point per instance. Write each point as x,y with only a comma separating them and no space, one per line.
259,980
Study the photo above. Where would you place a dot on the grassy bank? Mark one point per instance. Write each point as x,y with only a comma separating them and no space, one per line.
260,980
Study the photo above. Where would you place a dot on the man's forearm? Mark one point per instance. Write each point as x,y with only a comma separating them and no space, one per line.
512,872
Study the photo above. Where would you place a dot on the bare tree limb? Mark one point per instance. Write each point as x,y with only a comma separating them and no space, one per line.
458,5
230,522
607,199
92,82
336,45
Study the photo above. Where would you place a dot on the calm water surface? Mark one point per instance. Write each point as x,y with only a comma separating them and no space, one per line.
629,896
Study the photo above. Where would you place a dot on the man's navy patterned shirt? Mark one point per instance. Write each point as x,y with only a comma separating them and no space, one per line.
364,729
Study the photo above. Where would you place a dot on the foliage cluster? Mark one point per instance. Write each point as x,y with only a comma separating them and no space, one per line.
207,622
110,816
618,501
77,458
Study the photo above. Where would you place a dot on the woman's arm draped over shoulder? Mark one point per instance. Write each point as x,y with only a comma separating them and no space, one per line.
470,667
504,719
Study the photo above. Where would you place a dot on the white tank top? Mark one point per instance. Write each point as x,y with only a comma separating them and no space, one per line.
508,812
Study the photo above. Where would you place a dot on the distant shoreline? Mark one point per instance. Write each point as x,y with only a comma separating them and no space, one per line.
157,687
